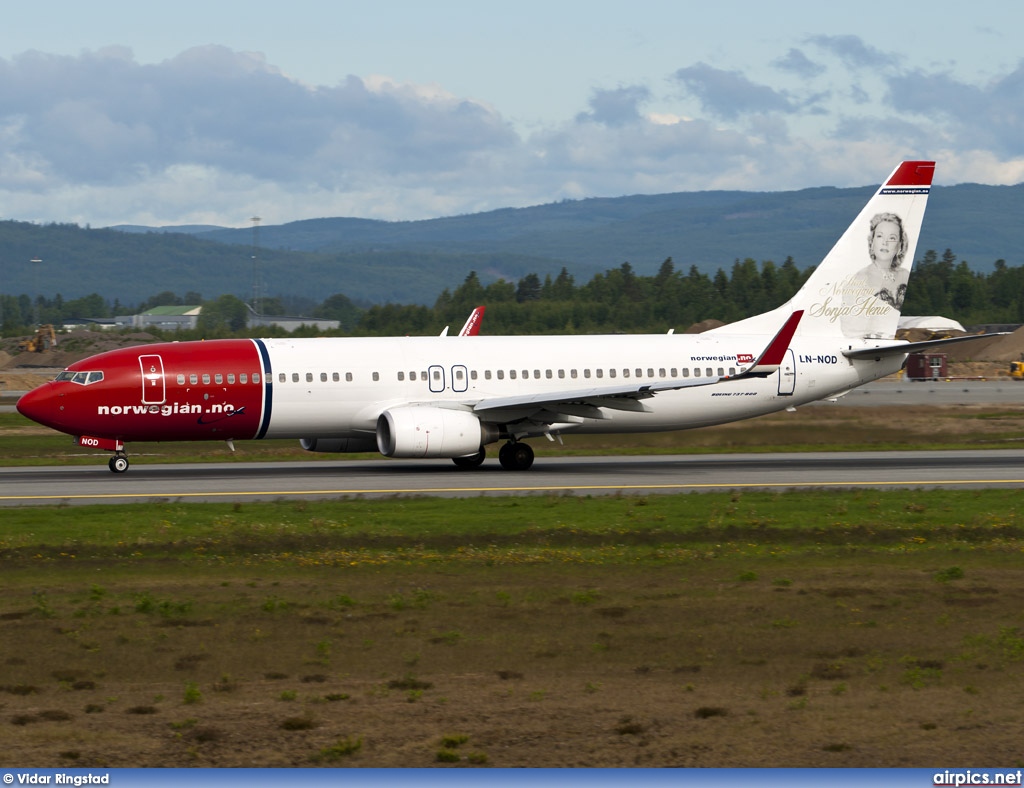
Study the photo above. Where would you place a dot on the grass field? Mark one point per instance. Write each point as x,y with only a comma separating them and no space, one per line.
813,629
843,628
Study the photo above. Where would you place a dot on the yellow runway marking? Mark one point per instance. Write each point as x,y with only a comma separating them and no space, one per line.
538,489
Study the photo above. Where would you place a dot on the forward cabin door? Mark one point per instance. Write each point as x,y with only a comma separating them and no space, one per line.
154,389
435,374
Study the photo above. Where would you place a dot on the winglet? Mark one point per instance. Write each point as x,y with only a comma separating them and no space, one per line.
771,359
472,326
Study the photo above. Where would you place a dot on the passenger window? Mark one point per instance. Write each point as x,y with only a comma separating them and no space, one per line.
661,372
412,376
231,378
721,372
600,373
193,378
686,373
536,374
255,377
282,377
611,373
512,374
243,378
572,374
472,374
335,377
487,374
218,379
206,378
181,379
459,375
348,377
501,374
401,376
376,376
323,377
295,377
710,373
586,373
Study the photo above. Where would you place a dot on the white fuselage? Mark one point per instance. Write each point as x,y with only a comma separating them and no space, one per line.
338,387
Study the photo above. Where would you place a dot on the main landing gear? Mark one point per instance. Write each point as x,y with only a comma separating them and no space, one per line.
118,463
471,461
516,456
513,456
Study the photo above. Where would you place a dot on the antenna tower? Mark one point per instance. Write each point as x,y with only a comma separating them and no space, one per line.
256,305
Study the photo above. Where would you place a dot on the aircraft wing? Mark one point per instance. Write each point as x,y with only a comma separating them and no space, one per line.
903,348
570,404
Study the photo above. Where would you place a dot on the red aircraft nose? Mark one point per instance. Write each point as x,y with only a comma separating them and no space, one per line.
40,406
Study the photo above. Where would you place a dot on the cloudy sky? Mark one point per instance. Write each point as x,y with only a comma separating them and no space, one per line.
115,111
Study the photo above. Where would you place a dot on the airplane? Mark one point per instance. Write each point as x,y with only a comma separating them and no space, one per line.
426,398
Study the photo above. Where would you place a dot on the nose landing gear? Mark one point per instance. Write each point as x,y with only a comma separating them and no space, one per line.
118,463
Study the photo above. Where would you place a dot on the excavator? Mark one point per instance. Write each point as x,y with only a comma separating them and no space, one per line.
44,339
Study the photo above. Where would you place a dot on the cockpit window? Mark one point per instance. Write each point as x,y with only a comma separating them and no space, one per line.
82,378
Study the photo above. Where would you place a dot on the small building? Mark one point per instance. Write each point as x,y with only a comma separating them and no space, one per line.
926,366
168,318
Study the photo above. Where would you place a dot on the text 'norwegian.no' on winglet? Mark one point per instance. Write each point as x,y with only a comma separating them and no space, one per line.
771,359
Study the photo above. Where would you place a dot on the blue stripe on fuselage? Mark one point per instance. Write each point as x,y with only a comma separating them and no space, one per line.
268,388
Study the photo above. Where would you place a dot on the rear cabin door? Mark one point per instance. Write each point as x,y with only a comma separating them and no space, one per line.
787,374
154,389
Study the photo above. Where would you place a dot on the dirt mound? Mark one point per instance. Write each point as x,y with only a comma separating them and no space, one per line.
1006,348
704,325
70,348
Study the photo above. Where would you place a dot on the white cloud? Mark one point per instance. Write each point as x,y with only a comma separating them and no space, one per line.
214,135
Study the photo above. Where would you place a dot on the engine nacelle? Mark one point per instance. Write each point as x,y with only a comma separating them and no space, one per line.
425,431
338,445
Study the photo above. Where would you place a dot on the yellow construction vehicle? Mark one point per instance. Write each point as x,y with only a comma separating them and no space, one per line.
1017,370
44,339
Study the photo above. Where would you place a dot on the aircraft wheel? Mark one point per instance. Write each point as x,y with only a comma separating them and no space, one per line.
118,464
516,456
471,461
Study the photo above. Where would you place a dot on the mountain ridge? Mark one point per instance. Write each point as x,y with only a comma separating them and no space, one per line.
377,261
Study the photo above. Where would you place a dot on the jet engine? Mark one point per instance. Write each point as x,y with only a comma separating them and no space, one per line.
338,445
424,431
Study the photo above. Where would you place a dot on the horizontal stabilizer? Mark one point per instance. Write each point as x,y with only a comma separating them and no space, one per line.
904,348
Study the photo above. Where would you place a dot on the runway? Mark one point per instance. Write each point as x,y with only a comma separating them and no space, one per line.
550,475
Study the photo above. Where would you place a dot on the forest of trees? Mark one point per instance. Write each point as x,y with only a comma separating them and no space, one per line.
616,301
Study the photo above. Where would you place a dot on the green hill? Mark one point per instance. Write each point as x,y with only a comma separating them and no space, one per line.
412,262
